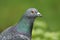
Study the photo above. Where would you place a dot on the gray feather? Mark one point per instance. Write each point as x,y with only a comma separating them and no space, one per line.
23,29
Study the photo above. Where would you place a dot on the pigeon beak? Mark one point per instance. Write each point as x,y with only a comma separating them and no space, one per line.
39,14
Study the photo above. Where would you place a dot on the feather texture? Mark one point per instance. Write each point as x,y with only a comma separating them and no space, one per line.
23,29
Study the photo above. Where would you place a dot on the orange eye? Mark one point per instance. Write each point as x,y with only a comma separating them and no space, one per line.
32,11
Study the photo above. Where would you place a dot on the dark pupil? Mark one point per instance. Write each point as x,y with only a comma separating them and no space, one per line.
32,11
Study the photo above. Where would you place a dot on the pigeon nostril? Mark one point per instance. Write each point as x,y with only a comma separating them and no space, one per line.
38,13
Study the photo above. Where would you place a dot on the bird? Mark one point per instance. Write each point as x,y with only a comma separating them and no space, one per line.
23,29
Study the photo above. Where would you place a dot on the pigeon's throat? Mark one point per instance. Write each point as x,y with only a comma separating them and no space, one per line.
25,25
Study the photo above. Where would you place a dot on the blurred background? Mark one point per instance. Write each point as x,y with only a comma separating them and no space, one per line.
45,28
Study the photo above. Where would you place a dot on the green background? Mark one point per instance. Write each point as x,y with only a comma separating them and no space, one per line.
45,28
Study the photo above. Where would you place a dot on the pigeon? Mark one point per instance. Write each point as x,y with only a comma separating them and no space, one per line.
23,29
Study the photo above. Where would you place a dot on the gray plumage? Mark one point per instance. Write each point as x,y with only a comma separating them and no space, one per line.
23,29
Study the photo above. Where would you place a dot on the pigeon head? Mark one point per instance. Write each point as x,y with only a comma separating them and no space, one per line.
33,13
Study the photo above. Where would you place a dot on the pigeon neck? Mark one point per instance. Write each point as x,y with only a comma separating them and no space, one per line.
25,25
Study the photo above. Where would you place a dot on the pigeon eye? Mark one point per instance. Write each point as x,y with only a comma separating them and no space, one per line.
32,12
